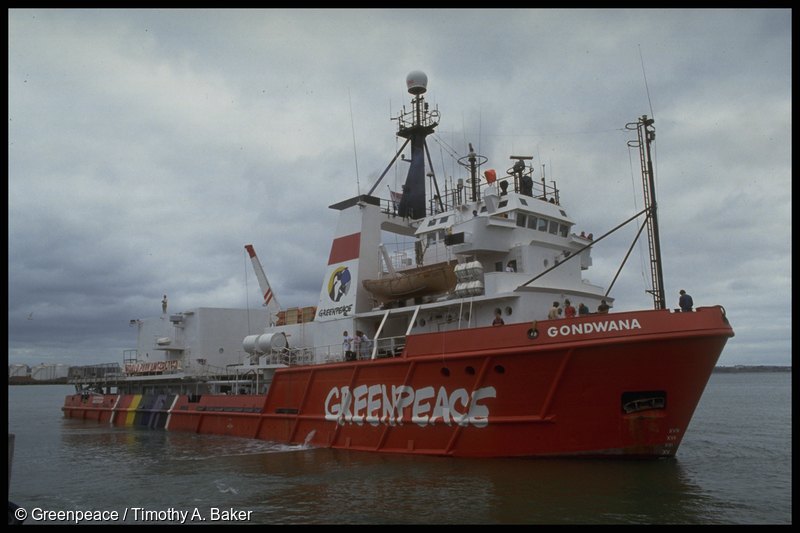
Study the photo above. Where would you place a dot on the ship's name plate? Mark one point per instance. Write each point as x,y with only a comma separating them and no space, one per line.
592,327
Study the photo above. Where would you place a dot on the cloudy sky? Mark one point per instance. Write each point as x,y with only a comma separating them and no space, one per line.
146,148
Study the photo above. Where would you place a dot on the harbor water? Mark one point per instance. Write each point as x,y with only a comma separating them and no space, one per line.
734,466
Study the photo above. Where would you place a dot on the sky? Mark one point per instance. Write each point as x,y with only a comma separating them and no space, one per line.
147,147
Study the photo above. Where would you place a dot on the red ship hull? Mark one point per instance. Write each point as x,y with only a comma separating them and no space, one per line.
623,384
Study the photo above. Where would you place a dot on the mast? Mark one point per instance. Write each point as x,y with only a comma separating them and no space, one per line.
473,162
473,174
647,134
416,126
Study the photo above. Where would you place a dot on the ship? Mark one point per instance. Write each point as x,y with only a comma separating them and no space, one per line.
444,345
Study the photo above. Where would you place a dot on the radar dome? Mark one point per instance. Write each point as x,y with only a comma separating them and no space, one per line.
417,82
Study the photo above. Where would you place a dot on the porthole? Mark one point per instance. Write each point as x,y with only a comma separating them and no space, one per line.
421,322
546,263
470,370
500,369
445,371
508,311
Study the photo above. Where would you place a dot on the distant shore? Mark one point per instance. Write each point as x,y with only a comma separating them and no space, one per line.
27,380
751,368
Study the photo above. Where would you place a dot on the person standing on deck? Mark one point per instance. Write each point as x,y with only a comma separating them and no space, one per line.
685,301
498,321
348,354
569,311
553,314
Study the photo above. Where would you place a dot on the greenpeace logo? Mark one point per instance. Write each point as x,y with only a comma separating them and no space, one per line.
333,311
592,327
375,404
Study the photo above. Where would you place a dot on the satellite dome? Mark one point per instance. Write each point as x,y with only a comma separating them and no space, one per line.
417,82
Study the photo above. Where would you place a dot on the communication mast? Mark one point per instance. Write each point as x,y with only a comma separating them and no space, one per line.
647,134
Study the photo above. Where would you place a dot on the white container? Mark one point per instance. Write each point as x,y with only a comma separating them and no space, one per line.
17,370
264,343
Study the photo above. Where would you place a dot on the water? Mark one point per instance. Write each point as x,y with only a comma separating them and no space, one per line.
734,466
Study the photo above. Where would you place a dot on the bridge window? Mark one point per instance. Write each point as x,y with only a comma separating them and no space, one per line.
543,224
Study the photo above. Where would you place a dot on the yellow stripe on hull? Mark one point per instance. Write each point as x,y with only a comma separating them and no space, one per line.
132,409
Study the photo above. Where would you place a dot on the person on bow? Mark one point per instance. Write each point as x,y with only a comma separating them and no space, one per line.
685,301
